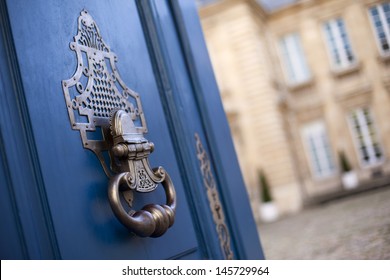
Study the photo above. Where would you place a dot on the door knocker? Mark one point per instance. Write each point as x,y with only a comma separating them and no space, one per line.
98,100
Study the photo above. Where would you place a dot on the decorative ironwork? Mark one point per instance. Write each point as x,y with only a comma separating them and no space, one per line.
96,89
96,97
214,200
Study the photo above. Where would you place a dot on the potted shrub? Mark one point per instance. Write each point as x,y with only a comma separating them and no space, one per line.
349,177
268,210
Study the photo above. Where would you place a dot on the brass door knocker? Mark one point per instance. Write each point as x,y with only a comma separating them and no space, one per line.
132,151
98,99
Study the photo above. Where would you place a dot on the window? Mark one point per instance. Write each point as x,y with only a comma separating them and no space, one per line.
295,66
366,138
338,43
380,18
318,150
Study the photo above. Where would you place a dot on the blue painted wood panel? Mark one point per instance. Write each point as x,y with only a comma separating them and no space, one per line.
74,182
22,183
12,245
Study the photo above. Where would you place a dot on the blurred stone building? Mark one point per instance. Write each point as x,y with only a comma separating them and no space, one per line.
302,84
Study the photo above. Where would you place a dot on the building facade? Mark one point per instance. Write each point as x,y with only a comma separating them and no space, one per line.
303,87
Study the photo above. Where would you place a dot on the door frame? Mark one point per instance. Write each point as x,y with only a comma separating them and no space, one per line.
26,188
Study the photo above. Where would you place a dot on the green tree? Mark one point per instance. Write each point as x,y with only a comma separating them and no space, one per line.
265,189
344,163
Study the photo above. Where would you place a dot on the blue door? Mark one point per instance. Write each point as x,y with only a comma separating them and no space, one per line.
54,201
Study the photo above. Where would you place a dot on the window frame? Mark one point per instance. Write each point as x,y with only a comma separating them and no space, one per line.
316,128
374,30
303,61
339,44
356,143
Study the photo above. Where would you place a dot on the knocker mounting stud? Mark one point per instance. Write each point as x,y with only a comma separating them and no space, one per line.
98,100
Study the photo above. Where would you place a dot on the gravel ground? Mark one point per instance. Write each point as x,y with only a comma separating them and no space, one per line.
356,227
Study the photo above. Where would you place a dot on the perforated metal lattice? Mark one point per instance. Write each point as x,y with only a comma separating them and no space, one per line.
96,90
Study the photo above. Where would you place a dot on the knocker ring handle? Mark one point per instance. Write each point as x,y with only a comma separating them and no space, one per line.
152,220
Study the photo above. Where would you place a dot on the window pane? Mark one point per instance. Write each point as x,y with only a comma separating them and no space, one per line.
380,16
318,150
338,43
293,59
366,137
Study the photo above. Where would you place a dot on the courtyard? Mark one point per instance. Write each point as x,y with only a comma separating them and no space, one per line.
355,227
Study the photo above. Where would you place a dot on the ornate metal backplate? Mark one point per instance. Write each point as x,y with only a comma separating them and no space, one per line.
98,101
214,200
96,90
